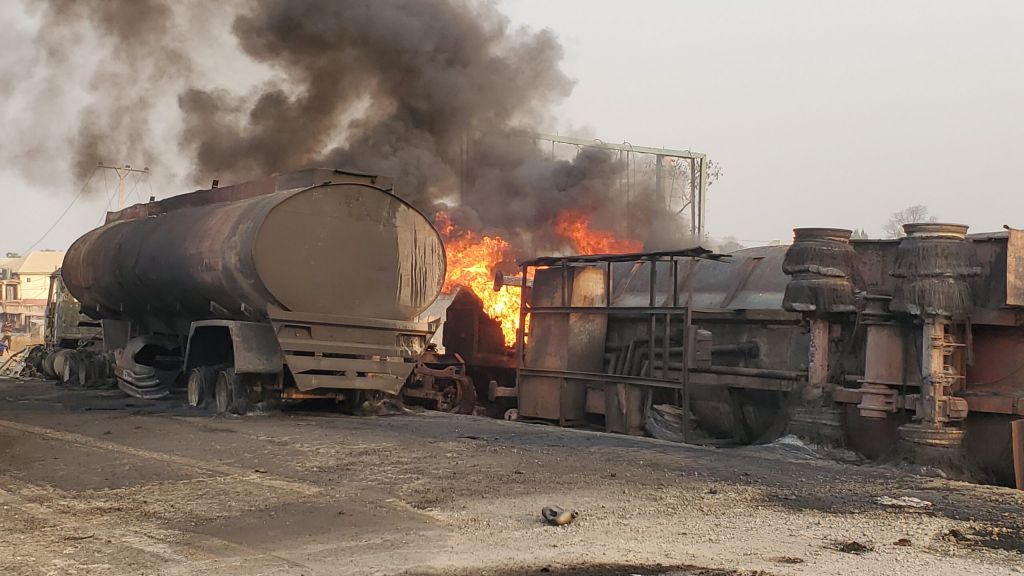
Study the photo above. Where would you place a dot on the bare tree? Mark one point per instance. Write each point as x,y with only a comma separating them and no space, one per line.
909,215
729,244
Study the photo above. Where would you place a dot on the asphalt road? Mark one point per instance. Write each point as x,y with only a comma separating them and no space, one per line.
92,482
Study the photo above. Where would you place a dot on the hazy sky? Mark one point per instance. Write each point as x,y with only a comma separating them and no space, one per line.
820,113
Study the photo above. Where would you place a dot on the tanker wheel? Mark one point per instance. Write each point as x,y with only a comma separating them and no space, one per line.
199,386
60,360
47,365
224,392
73,371
230,393
459,397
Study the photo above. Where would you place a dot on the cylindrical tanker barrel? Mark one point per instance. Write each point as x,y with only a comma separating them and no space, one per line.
338,249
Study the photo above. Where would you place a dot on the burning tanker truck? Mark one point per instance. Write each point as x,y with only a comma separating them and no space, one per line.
298,286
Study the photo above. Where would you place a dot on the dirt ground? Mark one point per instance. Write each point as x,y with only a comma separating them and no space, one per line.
92,482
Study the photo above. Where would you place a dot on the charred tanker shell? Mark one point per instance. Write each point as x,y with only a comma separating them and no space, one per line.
933,263
338,249
822,265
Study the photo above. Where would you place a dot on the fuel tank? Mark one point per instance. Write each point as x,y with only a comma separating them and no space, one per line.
343,249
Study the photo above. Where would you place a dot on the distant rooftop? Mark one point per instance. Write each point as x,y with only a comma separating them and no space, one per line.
38,262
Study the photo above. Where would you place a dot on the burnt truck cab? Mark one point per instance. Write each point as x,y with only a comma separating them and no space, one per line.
300,285
64,325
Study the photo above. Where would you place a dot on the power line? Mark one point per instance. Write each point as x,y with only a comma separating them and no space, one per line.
110,198
122,174
64,213
136,185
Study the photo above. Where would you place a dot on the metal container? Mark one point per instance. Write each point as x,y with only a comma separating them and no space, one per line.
348,249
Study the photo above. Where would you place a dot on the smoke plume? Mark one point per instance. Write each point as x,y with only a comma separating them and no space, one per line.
88,90
440,94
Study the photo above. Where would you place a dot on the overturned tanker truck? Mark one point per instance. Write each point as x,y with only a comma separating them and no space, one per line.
297,286
906,348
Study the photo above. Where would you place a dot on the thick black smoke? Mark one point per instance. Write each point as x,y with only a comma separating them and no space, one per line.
439,94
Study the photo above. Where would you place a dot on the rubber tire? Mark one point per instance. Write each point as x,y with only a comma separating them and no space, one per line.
77,370
47,366
199,386
240,396
224,391
60,358
230,394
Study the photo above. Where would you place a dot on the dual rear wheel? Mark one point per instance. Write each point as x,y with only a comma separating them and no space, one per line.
220,389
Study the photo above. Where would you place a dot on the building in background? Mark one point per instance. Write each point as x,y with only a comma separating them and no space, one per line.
24,289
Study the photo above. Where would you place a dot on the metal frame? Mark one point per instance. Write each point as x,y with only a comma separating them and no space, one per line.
698,164
349,353
677,310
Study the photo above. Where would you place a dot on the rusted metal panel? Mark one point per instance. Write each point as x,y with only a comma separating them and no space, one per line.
996,404
388,384
255,349
1015,268
565,341
624,408
342,352
750,280
587,335
376,367
998,361
546,348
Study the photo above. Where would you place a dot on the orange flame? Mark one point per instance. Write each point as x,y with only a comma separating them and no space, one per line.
471,263
575,227
472,260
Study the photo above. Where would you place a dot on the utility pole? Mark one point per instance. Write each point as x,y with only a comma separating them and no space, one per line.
122,175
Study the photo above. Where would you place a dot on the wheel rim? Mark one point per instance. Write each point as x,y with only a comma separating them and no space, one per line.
223,393
66,373
195,388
